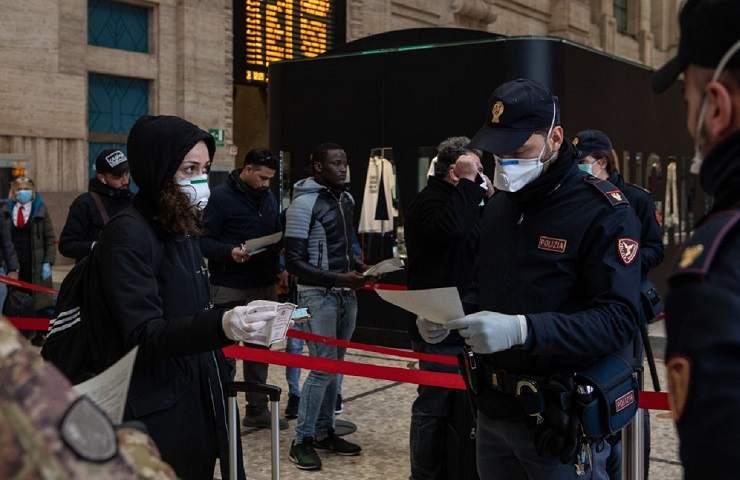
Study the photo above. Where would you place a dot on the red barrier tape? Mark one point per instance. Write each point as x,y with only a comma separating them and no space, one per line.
27,286
648,400
427,357
418,377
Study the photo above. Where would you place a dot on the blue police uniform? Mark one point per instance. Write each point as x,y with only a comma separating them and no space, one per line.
703,326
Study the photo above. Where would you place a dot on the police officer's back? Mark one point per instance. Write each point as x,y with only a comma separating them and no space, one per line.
703,303
558,277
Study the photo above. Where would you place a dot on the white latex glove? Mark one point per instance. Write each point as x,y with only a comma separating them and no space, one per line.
242,326
491,332
431,332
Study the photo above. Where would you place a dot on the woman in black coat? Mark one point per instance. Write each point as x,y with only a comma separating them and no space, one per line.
154,285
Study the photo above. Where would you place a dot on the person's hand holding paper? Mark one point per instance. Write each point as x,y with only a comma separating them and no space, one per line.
491,332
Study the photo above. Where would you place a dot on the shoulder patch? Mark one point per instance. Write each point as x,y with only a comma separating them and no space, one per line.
612,194
698,253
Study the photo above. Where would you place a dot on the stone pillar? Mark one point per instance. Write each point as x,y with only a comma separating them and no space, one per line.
604,19
571,19
644,32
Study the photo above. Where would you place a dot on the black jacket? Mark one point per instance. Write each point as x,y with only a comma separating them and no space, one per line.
651,233
236,213
8,257
441,230
154,286
551,252
85,222
703,331
318,234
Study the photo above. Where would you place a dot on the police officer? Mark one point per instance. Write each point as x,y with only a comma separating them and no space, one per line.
596,156
703,303
558,269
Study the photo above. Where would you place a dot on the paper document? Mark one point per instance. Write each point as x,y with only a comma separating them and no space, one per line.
274,330
439,305
257,245
110,389
386,266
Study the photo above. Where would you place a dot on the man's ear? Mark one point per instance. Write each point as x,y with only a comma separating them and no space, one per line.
318,167
557,138
718,119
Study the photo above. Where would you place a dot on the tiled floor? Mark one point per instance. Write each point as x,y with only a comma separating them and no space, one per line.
381,411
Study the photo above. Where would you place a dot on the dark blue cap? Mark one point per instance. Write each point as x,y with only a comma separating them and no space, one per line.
709,28
590,141
516,110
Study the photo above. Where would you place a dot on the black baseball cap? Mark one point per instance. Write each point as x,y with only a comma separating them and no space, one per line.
516,110
590,141
709,28
112,161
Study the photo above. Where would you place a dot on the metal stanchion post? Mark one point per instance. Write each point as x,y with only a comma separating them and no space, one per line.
633,448
275,444
233,433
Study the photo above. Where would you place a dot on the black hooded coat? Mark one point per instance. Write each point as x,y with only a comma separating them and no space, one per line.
154,288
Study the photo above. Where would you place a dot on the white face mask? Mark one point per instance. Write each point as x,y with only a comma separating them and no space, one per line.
196,189
698,159
513,174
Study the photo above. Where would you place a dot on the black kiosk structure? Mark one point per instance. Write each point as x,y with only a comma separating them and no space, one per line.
403,92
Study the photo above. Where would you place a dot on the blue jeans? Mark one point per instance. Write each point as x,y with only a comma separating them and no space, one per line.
506,451
431,414
333,314
293,374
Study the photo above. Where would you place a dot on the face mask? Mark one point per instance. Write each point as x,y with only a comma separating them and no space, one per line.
586,167
24,196
699,142
512,174
196,189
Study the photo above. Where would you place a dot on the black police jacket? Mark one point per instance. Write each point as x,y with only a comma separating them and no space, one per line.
318,234
441,231
564,252
236,213
84,221
651,233
703,326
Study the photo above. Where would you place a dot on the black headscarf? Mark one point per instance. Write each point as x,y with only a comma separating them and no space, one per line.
156,148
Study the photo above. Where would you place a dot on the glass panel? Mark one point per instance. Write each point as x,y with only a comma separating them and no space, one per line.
115,103
117,25
620,15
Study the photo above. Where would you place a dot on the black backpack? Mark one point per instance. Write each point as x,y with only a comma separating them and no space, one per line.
68,342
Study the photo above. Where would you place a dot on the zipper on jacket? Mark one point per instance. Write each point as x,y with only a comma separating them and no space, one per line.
346,237
321,255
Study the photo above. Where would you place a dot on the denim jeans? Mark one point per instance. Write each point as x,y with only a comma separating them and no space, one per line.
293,374
506,451
431,413
333,314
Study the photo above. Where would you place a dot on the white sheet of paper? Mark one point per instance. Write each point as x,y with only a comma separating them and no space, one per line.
110,388
257,245
386,266
439,305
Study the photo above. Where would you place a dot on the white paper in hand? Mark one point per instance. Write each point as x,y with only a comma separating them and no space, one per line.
257,245
438,305
276,329
110,389
386,266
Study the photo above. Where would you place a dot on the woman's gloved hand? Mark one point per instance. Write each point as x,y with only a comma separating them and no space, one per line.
431,332
46,271
241,324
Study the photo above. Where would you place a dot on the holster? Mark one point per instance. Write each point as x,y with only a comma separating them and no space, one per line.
613,396
652,303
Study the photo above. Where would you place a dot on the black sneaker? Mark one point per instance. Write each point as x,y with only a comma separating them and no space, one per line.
304,455
338,406
291,410
338,445
260,420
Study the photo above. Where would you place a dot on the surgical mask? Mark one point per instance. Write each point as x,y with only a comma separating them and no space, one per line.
24,196
586,167
513,174
698,159
196,189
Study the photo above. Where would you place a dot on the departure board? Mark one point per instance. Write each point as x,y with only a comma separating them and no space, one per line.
267,31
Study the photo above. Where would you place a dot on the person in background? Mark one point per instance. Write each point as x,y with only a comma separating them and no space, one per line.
32,233
8,259
596,156
107,194
241,209
442,231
